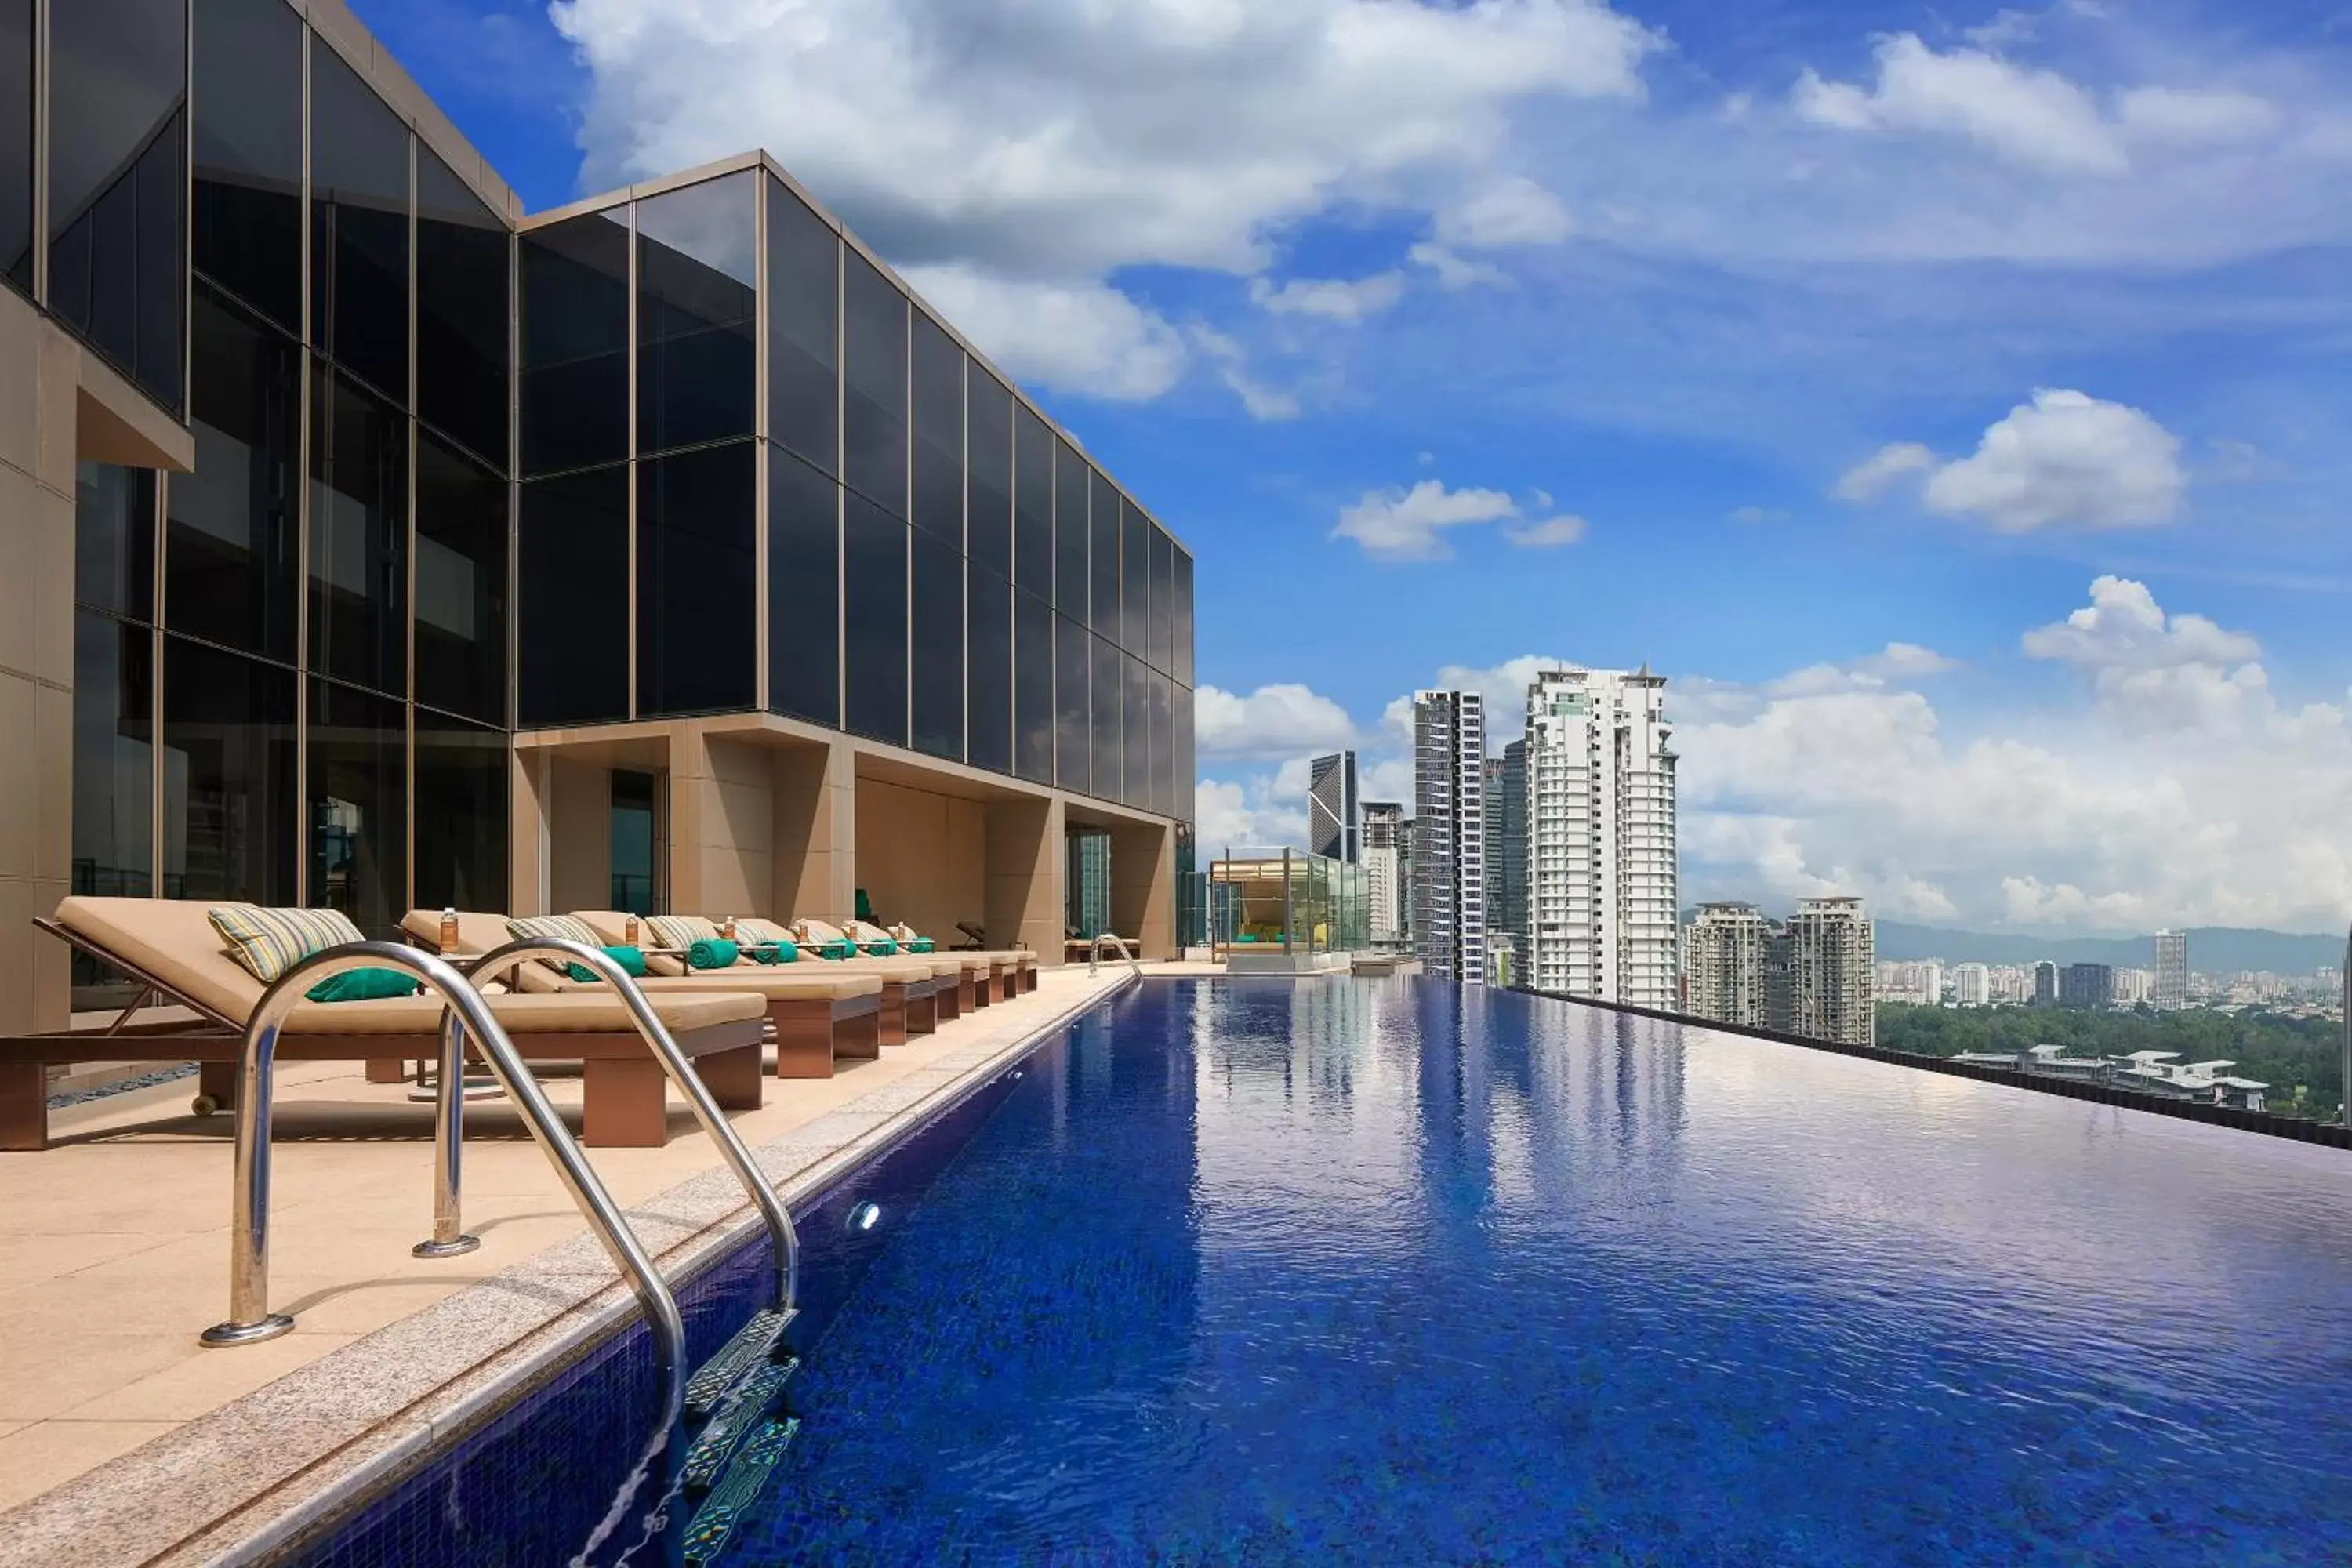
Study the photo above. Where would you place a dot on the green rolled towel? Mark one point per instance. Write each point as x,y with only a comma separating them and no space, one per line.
363,986
837,948
777,952
922,944
632,961
881,949
711,952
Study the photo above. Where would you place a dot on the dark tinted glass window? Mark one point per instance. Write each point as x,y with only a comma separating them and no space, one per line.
1032,513
1183,619
461,815
16,141
874,619
1163,601
572,599
461,311
804,591
988,511
461,583
229,561
113,758
698,313
359,226
358,749
1069,533
248,228
1182,762
1033,688
117,173
803,339
939,432
1135,738
698,581
359,534
1135,580
114,540
1072,675
988,680
874,418
937,647
232,818
1162,794
1109,708
1103,568
574,385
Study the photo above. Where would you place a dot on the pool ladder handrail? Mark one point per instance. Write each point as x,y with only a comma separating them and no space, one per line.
783,1236
250,1320
1093,953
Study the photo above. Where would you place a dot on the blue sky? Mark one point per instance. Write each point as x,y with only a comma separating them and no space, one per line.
1951,401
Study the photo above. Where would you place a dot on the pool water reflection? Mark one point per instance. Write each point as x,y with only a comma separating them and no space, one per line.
1264,1272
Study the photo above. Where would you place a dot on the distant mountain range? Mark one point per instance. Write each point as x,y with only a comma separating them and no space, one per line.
2212,949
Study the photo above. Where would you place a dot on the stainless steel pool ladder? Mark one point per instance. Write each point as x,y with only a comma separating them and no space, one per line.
251,1321
1093,953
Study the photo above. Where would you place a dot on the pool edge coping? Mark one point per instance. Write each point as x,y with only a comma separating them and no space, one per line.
246,1500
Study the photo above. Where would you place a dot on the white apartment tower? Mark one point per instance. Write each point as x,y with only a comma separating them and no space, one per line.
1449,835
1383,868
1825,973
1601,876
2172,990
1972,985
1724,958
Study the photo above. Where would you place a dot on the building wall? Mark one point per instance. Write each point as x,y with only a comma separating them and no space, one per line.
1822,972
1727,958
1448,880
922,857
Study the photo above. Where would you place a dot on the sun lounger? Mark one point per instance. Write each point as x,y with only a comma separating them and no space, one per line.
170,948
815,1017
1014,969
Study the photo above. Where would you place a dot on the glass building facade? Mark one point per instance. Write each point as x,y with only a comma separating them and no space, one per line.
756,474
693,452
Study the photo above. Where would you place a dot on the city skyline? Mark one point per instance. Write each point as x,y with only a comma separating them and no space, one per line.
2016,509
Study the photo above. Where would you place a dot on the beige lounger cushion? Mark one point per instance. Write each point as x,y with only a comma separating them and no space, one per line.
582,1010
775,985
172,940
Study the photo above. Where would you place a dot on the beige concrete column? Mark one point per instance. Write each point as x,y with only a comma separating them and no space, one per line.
814,843
1143,886
1025,877
527,822
36,589
722,825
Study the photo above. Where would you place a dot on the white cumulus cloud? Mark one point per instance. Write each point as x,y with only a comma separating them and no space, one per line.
2066,459
1329,298
1078,337
1271,722
1408,524
2031,117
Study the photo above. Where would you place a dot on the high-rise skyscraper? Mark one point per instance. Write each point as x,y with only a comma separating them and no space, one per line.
1331,830
1971,984
2172,991
1506,845
1384,887
1601,873
2045,985
1449,847
1724,958
2090,985
1822,971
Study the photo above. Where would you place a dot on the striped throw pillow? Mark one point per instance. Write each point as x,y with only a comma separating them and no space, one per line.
680,931
268,943
563,928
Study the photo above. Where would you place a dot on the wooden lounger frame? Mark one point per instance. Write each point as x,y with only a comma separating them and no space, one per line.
624,1090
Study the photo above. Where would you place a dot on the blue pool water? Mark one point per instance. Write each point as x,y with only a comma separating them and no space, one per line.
1260,1273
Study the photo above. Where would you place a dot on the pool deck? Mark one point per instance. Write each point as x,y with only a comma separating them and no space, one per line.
122,1439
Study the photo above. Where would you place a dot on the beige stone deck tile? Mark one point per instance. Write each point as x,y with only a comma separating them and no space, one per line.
29,1256
46,1375
204,1380
36,1458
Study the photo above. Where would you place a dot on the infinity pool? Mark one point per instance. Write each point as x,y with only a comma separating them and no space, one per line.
1265,1273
